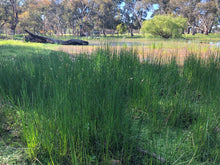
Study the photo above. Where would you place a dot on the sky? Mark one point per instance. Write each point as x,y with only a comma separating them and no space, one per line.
155,6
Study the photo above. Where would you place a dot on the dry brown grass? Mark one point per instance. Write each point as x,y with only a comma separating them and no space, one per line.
177,50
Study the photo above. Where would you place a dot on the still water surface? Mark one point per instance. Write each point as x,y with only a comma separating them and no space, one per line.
135,43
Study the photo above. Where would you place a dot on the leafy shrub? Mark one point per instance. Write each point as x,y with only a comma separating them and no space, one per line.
121,28
165,26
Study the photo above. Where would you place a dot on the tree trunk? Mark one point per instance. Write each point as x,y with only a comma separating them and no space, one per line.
14,15
131,31
193,31
194,28
42,39
206,30
13,30
210,29
188,30
103,32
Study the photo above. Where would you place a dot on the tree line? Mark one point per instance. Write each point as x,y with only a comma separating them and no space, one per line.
83,16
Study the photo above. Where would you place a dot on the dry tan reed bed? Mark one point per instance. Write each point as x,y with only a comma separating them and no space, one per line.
148,52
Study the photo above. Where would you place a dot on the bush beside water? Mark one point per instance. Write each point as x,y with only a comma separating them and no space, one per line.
102,107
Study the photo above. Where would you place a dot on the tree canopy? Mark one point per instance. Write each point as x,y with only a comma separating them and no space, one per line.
80,16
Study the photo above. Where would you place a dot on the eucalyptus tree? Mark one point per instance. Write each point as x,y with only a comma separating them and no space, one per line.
134,12
163,7
207,15
70,9
10,10
13,21
56,17
104,14
4,14
33,16
201,15
187,9
79,14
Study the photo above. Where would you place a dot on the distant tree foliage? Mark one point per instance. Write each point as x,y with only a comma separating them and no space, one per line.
166,26
10,10
202,15
80,17
134,13
121,28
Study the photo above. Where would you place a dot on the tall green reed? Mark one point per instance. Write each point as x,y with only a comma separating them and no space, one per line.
73,106
91,109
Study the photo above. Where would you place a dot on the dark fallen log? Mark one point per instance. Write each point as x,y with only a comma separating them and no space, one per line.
42,39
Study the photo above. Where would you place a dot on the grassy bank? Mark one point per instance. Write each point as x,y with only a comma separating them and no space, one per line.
111,106
211,37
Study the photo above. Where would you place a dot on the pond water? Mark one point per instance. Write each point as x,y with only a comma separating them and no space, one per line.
215,43
120,43
129,44
148,43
